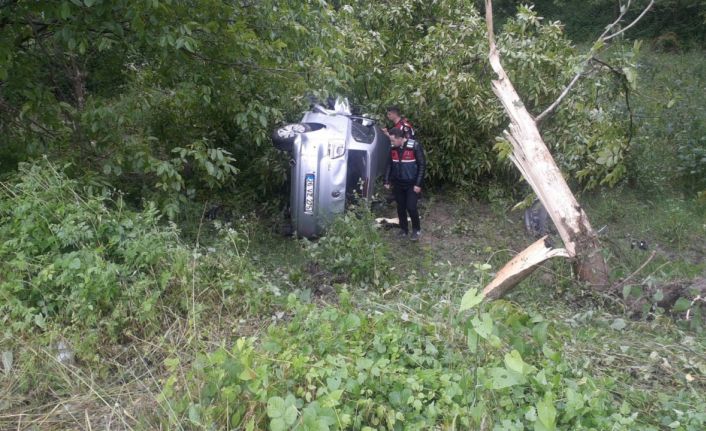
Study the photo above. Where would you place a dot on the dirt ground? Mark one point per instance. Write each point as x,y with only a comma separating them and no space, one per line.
464,232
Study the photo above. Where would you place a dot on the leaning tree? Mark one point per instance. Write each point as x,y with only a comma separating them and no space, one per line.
536,164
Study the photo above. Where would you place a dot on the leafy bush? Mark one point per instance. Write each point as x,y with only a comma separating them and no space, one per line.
228,275
327,369
74,258
438,62
340,368
163,103
669,154
692,163
353,248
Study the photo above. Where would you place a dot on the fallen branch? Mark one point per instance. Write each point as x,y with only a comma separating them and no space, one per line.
620,285
521,266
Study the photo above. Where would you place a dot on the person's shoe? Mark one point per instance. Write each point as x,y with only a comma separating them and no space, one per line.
416,235
401,234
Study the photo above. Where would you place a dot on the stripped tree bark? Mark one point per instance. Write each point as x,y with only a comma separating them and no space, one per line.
532,157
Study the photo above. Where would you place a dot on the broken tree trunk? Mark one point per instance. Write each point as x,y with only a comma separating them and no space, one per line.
520,266
535,162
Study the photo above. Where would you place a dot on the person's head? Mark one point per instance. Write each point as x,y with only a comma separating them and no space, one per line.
393,113
397,137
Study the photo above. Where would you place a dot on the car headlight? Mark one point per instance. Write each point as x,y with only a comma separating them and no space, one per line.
336,148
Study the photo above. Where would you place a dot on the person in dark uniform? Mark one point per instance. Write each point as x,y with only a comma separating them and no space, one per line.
405,174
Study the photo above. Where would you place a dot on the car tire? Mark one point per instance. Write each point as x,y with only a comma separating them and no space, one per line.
283,137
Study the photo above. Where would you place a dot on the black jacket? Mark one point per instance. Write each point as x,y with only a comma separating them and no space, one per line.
406,164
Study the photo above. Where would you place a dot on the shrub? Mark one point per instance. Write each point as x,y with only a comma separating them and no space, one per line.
669,153
342,368
74,258
353,248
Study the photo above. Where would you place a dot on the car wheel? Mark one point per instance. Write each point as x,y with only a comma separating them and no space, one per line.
283,137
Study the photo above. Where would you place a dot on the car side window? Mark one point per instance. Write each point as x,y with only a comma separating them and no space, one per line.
361,133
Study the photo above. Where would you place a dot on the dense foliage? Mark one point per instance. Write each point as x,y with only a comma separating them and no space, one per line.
173,102
353,248
72,258
341,368
159,96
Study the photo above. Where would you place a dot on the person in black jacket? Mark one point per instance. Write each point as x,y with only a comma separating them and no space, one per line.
405,173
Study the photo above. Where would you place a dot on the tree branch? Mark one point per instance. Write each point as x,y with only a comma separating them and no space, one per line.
604,37
242,65
647,8
4,105
489,23
607,30
550,110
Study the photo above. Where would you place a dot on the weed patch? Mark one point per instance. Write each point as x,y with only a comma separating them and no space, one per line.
353,248
73,258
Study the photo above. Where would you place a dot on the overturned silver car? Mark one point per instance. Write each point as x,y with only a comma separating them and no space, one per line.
334,157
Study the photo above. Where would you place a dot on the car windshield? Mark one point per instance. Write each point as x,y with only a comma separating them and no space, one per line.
361,133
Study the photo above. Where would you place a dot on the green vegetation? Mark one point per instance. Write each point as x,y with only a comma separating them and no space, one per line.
80,260
174,103
143,284
353,248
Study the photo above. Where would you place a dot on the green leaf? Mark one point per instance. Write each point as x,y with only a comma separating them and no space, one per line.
470,299
352,322
7,361
39,320
626,291
65,11
682,304
618,324
247,374
514,362
501,378
332,399
546,415
472,340
483,326
290,414
75,263
194,414
275,407
278,424
631,76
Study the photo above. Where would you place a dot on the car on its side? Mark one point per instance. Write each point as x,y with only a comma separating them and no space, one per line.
335,156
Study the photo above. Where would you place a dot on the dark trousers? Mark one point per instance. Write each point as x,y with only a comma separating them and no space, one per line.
406,203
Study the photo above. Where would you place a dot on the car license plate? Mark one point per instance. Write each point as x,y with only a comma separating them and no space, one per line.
309,194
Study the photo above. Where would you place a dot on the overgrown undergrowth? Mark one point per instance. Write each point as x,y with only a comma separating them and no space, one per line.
250,331
111,319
